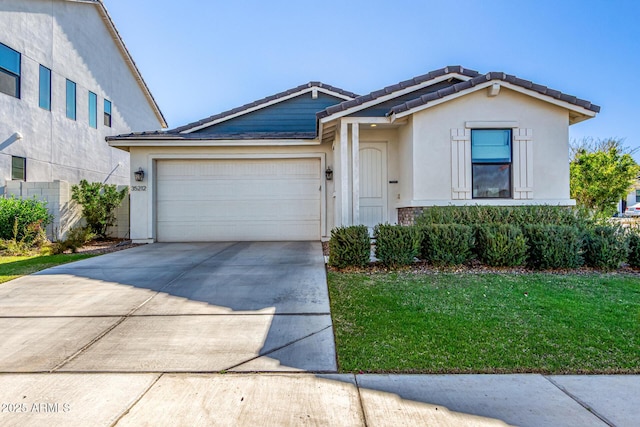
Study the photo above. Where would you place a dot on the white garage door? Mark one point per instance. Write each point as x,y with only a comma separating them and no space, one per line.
226,200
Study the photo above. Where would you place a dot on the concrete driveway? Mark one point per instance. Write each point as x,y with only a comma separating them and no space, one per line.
201,307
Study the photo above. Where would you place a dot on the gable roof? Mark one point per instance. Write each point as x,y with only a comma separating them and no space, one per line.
404,87
262,103
469,80
127,56
483,81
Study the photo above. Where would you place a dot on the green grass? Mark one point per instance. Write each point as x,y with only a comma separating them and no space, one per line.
486,323
12,267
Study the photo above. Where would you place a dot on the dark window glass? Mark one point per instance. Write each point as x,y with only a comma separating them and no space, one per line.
491,163
107,113
18,168
45,88
9,71
491,181
71,100
93,110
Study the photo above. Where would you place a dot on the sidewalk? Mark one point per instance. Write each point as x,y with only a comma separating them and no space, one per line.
291,399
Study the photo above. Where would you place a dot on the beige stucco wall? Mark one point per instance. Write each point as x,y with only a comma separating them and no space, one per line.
431,158
71,39
142,195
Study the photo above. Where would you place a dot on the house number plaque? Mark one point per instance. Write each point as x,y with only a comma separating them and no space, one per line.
138,188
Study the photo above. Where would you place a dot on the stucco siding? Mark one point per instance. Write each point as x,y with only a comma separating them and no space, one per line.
432,142
71,39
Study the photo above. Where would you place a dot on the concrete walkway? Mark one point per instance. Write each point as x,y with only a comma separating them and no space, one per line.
238,334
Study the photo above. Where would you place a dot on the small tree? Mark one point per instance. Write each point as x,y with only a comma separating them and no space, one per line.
602,173
99,203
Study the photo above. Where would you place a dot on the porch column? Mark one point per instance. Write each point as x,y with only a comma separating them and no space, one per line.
355,170
344,173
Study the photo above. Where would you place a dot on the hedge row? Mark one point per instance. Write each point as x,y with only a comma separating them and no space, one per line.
539,246
17,216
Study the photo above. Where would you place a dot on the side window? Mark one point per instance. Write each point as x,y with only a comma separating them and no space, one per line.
45,88
107,113
9,71
18,168
93,110
491,163
71,100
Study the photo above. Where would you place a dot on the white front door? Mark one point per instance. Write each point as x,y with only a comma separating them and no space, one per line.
373,183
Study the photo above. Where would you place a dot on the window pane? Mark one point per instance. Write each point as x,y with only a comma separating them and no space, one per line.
45,88
93,110
71,100
9,59
18,168
491,181
490,145
107,113
9,84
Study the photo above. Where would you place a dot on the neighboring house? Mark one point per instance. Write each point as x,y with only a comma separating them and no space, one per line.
298,163
66,82
632,198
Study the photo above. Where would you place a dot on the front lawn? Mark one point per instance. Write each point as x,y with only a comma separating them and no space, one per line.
12,267
486,323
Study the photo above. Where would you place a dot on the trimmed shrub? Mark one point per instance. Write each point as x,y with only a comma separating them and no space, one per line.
350,247
605,247
397,245
23,214
501,245
447,244
553,246
515,215
634,248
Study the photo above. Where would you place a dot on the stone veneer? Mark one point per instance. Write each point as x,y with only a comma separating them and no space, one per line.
407,216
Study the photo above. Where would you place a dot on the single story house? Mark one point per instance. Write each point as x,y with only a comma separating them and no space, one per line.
294,165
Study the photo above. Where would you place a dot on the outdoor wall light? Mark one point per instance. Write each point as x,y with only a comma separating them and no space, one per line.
328,173
139,175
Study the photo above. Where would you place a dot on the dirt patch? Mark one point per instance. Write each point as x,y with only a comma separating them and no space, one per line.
100,247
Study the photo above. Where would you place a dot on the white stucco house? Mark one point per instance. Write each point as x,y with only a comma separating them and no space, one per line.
66,82
296,164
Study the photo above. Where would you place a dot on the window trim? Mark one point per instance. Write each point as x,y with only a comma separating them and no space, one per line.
93,110
24,168
71,109
47,93
509,163
11,73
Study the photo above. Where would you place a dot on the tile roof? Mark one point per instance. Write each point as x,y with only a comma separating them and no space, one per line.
262,101
397,87
491,76
168,135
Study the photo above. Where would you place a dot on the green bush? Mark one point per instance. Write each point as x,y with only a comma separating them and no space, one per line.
76,238
605,247
99,203
501,245
634,248
27,213
553,246
447,244
515,215
349,247
397,245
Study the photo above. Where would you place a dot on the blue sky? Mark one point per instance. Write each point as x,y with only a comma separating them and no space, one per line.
203,57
